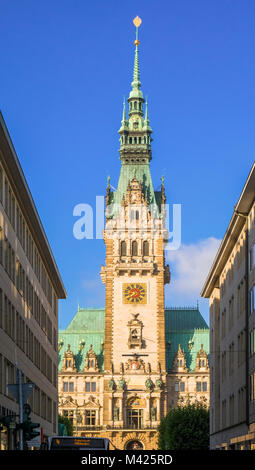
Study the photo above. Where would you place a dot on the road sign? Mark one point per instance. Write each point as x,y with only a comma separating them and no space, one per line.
26,391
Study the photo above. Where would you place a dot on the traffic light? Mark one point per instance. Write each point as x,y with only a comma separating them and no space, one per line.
32,430
28,427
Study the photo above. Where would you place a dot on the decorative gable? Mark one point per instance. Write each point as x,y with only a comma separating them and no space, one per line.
91,364
69,361
202,360
180,361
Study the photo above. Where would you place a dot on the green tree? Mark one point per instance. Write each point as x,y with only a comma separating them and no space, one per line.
185,428
68,424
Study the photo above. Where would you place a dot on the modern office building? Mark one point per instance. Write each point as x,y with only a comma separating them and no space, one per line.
230,286
30,286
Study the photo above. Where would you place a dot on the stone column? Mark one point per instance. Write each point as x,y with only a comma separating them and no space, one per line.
147,418
121,409
158,408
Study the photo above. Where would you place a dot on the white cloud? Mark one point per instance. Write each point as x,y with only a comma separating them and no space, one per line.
190,266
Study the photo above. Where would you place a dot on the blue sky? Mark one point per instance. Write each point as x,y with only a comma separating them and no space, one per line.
65,67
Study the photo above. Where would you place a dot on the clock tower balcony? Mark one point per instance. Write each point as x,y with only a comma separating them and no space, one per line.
132,266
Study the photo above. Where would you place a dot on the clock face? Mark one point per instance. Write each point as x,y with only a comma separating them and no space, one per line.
134,293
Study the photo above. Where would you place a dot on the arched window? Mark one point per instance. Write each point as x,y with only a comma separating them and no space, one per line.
144,139
135,105
134,248
135,139
123,248
137,215
145,248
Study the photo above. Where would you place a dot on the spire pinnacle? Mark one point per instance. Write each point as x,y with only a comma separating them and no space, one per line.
136,84
124,118
146,112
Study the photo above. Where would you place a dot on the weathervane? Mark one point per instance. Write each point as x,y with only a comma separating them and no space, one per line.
137,21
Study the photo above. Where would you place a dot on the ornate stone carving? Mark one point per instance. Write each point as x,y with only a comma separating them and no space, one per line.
121,384
159,384
135,364
111,384
149,384
135,327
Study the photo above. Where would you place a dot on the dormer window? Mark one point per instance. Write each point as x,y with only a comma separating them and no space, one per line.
69,360
202,359
91,361
180,361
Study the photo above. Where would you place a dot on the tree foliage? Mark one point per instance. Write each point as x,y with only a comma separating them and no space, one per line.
185,428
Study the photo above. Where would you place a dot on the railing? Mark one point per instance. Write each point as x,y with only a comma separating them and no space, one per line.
115,426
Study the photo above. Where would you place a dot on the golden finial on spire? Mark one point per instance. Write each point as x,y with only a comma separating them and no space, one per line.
137,21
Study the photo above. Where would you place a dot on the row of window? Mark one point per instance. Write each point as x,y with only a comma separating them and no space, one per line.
234,263
135,140
252,387
15,327
19,225
135,105
88,419
40,403
229,416
252,342
18,276
241,353
252,300
134,417
200,386
37,310
230,357
134,247
231,310
252,258
89,386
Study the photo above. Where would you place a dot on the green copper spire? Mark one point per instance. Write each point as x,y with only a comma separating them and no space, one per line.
135,140
136,75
